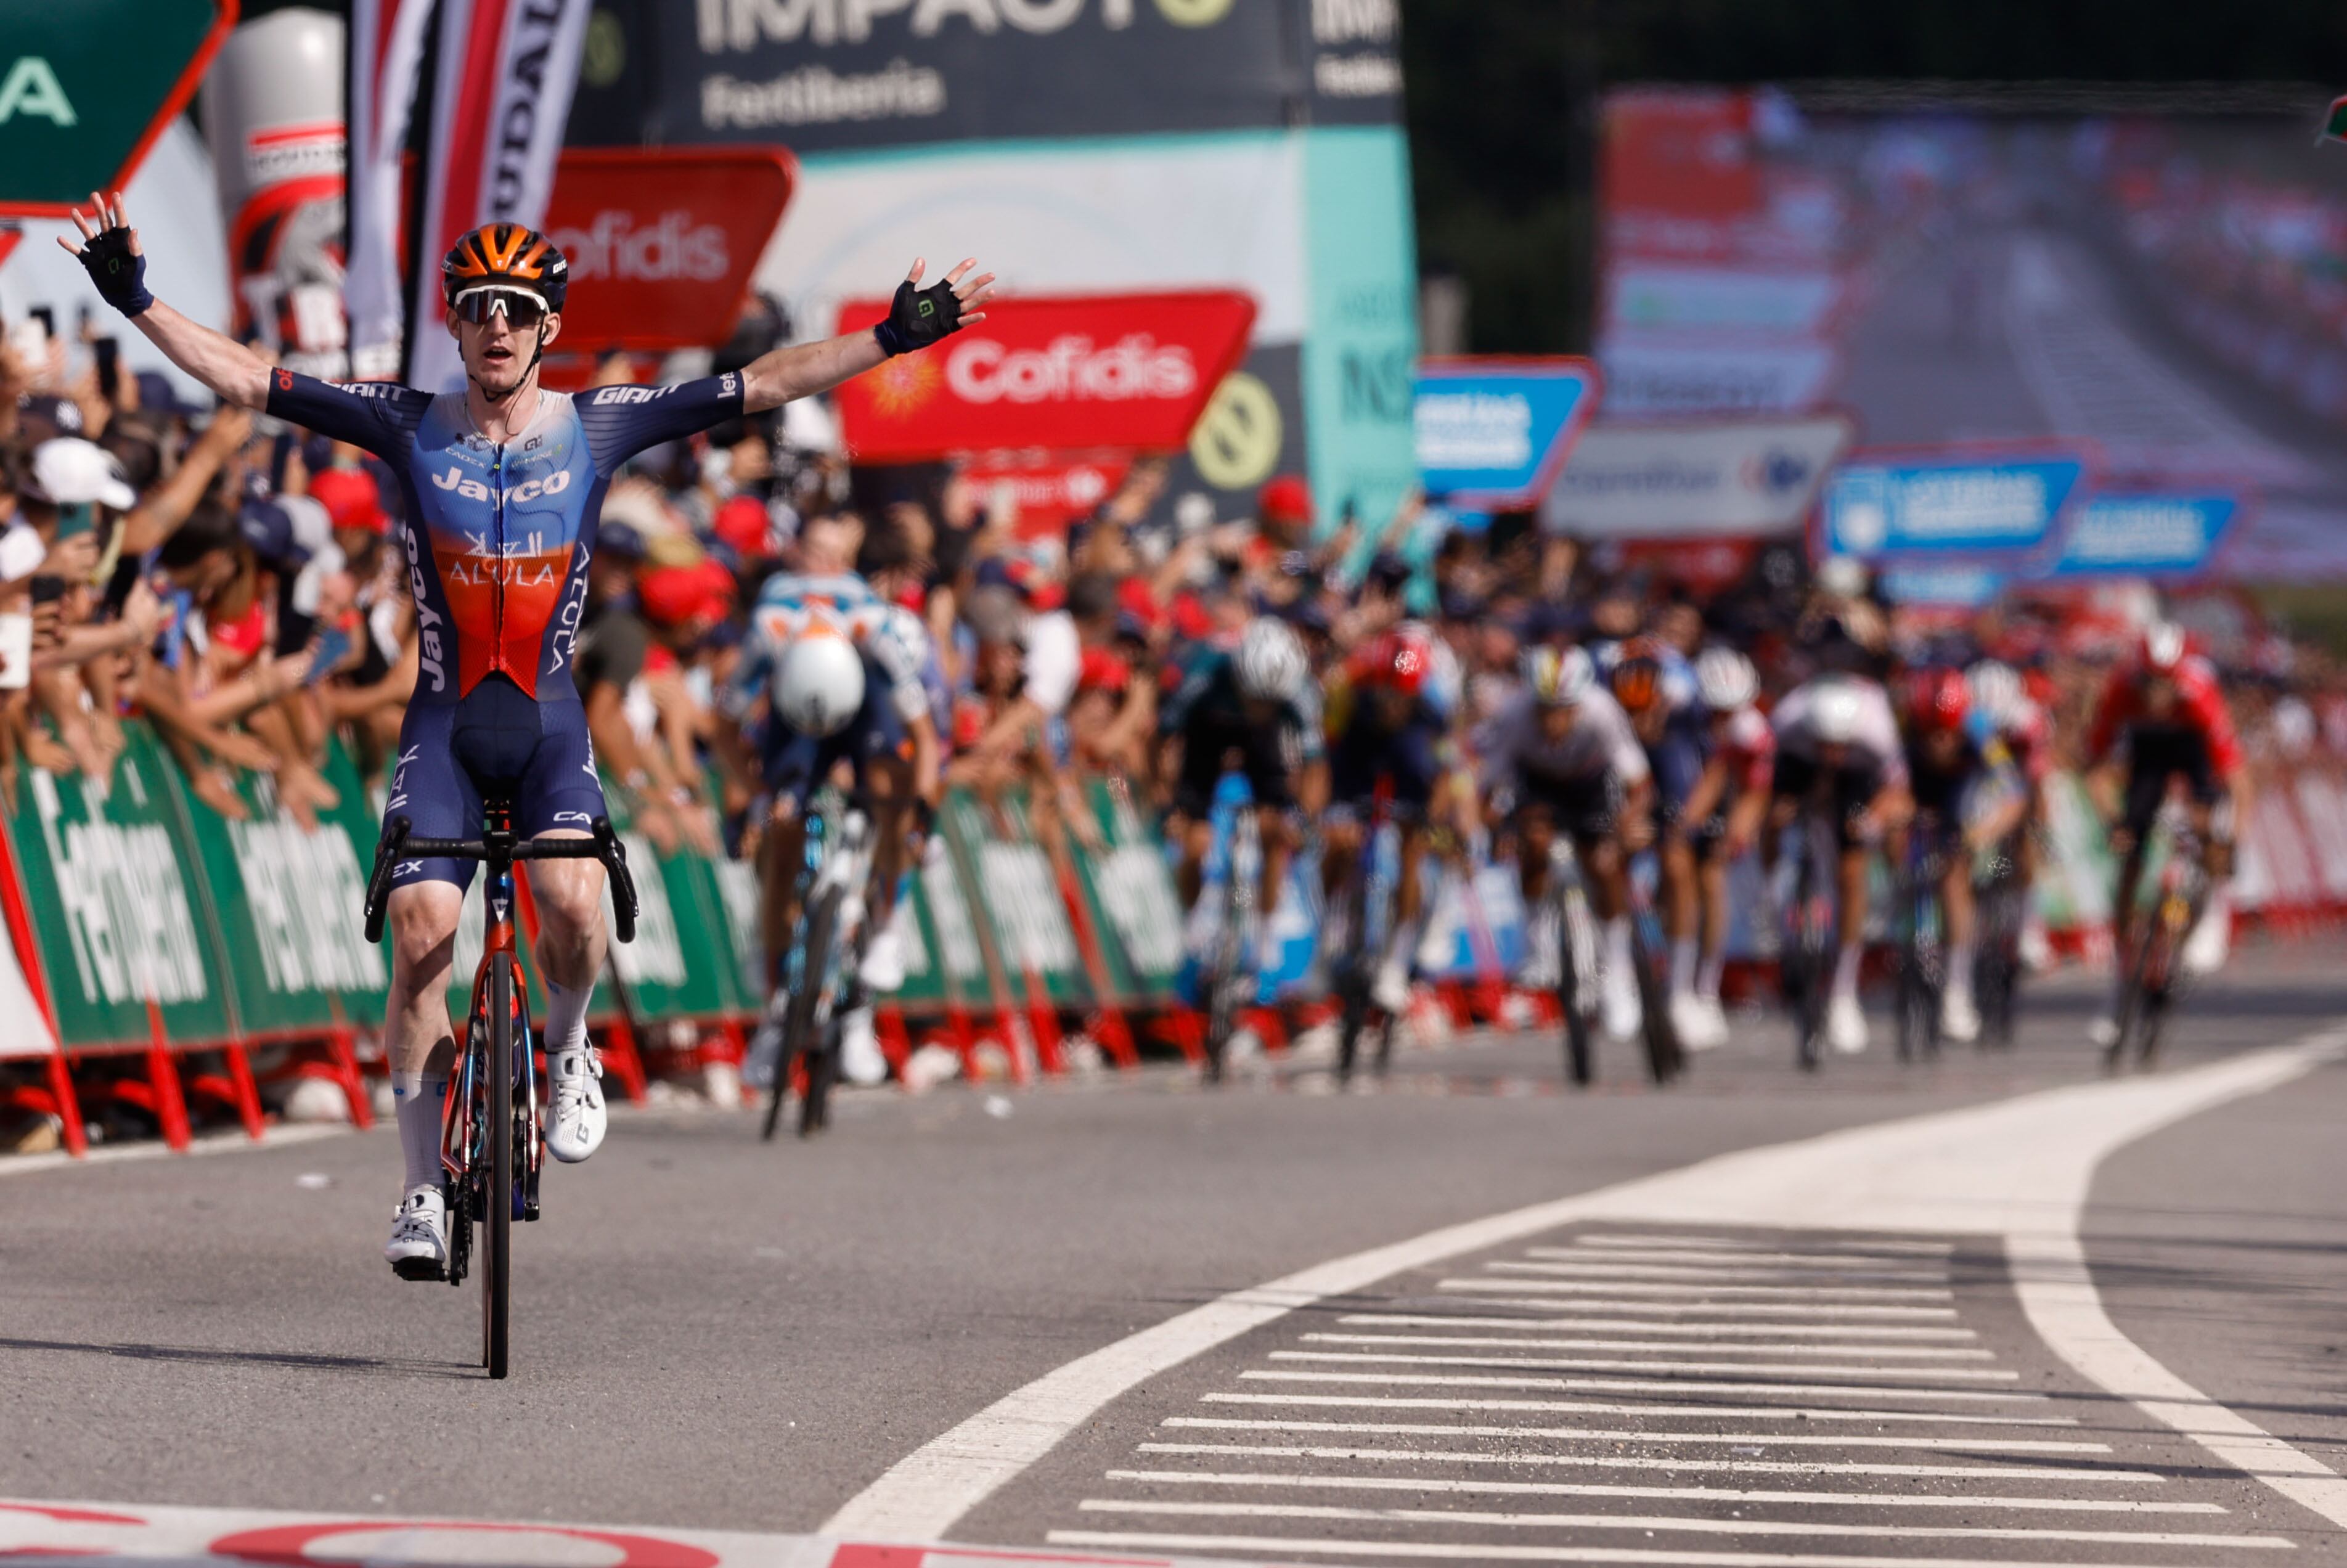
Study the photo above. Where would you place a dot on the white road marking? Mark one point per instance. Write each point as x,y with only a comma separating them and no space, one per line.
1744,1308
1631,1325
1702,1274
1631,1239
1637,1385
1681,1493
1600,1434
1669,1463
1680,1523
1595,1408
1605,1364
1747,1292
1902,1352
1276,1546
2013,1167
229,1141
1582,1251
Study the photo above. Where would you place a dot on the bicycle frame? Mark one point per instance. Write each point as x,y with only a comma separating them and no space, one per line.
837,862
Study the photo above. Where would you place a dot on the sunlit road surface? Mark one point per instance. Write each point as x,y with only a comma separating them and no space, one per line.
728,1343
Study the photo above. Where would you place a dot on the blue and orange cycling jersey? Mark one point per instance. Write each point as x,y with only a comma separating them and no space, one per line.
498,534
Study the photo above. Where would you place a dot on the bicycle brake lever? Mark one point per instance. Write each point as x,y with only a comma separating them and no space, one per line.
387,857
614,857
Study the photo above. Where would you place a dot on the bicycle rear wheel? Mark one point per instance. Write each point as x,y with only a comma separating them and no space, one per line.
496,1228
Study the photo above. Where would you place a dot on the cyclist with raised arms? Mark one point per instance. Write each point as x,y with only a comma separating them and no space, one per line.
503,485
1562,757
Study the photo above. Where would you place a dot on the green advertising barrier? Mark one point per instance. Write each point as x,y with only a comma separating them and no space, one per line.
685,962
1019,891
288,902
110,881
1135,907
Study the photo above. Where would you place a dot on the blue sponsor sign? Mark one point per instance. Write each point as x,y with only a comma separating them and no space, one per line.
2169,533
1493,433
1947,585
1967,504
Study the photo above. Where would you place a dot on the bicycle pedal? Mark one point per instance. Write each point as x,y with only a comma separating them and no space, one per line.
420,1269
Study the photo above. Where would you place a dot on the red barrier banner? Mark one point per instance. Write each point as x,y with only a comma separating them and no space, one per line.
1131,371
662,240
1050,490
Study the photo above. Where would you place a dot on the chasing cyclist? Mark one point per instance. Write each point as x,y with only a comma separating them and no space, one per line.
503,485
1562,758
2162,721
1721,818
1967,797
1655,686
1839,758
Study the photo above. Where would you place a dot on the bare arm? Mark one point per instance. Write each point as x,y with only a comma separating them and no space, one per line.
166,508
233,371
802,370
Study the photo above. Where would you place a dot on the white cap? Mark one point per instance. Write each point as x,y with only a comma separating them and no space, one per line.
69,471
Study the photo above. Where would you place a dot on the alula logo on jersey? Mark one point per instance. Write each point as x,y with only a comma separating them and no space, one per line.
456,482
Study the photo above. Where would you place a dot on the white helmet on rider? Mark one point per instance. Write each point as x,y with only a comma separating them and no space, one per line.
1559,677
820,685
1995,688
1836,710
1725,680
1270,664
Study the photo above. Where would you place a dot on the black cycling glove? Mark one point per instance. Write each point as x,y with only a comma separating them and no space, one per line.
918,318
120,275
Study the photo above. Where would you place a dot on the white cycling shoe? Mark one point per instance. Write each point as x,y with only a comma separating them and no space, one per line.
2104,1030
1618,1006
2210,941
1959,1021
1391,989
576,1122
883,968
1846,1025
1691,1020
418,1248
861,1061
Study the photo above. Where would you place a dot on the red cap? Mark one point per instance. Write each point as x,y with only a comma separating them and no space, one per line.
672,595
1102,670
350,498
744,524
1287,499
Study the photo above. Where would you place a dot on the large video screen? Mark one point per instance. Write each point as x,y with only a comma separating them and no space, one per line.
2171,290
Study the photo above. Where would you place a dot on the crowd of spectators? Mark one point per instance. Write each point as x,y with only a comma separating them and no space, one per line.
238,585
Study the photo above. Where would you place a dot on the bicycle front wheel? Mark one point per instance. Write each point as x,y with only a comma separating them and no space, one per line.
496,1273
807,1032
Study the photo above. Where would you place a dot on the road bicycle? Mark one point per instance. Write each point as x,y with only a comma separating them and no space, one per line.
1920,940
492,1147
2003,899
1359,931
819,971
2149,980
1812,921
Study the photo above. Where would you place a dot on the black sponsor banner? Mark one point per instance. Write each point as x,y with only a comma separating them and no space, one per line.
829,75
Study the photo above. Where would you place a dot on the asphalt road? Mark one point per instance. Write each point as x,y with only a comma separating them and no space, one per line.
713,1333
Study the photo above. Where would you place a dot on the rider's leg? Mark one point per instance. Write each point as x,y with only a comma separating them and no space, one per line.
888,782
1850,937
1711,884
1959,1017
1341,840
1535,851
781,855
421,916
571,942
1196,837
1277,837
1401,939
1606,871
1681,910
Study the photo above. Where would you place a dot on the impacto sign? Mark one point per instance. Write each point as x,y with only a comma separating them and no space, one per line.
1986,502
662,240
1131,371
1728,479
1492,432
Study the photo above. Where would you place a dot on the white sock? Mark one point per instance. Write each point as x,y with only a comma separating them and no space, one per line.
1617,946
566,1015
1960,967
1706,979
419,1097
1846,971
1682,957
